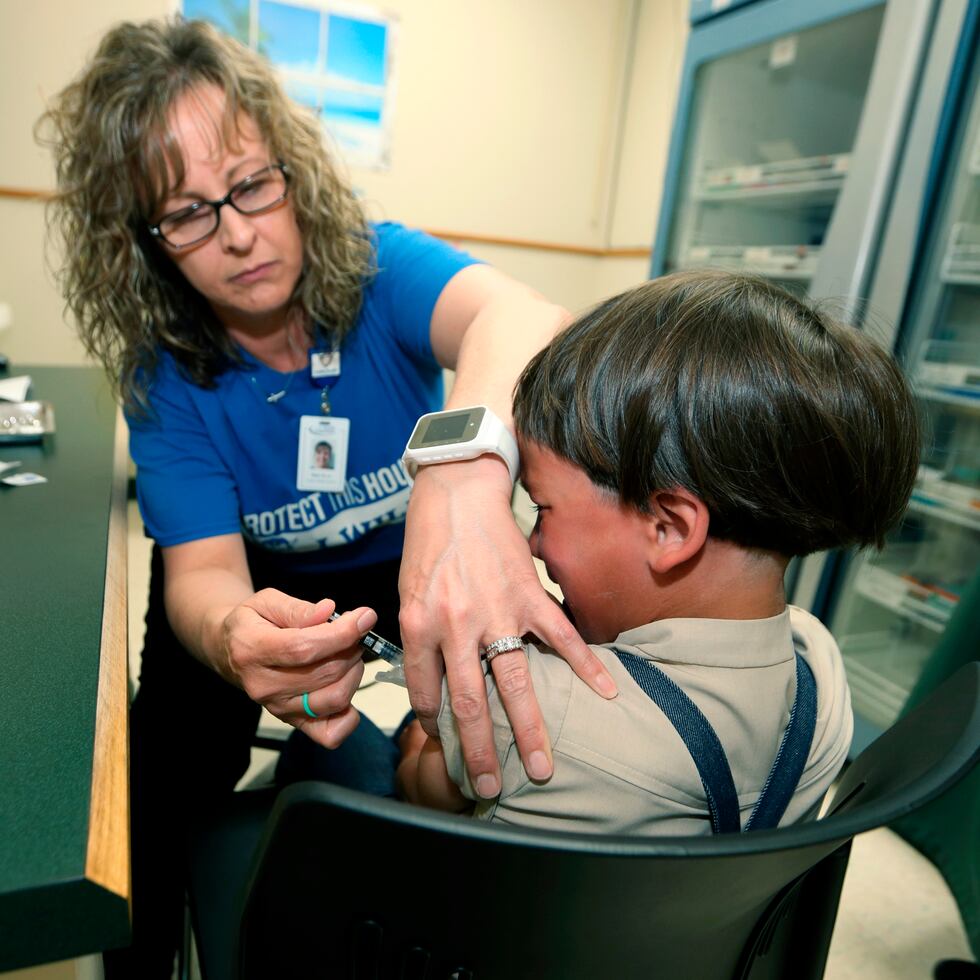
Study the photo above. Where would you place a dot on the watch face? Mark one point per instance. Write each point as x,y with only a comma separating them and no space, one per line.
447,428
442,429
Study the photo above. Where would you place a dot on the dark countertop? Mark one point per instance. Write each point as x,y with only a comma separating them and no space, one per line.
64,850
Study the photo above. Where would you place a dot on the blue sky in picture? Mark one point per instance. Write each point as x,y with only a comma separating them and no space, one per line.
356,49
346,106
303,93
288,35
230,15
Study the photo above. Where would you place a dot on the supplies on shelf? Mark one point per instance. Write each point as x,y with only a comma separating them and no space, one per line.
961,263
928,603
949,371
776,261
936,494
789,178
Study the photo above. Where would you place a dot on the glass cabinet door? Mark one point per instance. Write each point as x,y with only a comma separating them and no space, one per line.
769,147
894,606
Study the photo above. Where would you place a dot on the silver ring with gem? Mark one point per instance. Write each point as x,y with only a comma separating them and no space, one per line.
504,645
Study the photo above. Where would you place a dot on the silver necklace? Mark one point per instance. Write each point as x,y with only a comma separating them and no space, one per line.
274,396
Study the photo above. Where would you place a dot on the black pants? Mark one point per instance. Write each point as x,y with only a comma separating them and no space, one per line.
190,737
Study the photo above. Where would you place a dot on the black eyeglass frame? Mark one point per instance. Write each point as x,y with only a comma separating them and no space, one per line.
155,231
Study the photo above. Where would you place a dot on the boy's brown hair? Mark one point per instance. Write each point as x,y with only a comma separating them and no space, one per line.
798,433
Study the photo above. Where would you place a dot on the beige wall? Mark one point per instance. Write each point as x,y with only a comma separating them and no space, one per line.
546,121
42,44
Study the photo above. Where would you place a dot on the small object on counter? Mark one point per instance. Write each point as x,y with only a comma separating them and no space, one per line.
4,363
25,421
24,479
15,389
10,464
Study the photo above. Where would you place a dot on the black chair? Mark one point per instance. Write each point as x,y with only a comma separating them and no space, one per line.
333,883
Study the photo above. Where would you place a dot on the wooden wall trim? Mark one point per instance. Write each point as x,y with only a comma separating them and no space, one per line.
26,193
636,252
630,252
107,861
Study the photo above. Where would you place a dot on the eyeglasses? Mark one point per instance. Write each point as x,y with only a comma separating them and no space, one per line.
256,193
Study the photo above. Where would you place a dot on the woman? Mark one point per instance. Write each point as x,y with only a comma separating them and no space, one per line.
224,274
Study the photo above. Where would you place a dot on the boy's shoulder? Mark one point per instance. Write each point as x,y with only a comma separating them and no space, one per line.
684,643
741,674
815,643
553,682
729,668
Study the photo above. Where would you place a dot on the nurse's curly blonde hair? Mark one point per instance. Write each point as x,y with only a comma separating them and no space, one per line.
116,163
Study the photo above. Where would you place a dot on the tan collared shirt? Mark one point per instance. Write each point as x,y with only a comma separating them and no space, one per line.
621,767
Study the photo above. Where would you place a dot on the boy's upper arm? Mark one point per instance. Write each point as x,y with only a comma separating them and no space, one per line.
552,679
452,749
435,788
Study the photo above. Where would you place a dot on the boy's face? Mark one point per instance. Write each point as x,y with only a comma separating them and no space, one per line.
593,546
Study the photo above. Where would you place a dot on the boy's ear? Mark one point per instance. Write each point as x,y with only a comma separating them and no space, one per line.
677,526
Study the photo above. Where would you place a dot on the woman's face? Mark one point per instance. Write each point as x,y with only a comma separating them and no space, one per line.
248,269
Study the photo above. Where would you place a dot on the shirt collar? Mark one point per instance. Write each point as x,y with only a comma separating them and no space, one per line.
713,642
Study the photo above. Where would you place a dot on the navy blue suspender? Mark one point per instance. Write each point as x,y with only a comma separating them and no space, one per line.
710,758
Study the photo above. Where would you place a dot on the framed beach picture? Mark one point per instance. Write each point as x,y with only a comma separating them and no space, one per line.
336,59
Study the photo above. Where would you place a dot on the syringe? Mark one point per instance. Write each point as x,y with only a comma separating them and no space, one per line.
388,652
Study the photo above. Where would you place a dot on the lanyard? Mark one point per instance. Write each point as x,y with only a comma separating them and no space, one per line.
710,758
324,373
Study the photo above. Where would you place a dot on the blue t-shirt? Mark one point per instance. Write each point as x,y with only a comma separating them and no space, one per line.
223,460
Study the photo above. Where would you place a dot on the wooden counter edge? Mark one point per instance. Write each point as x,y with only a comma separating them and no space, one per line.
107,861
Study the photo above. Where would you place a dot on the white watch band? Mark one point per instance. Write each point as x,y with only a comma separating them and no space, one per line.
458,434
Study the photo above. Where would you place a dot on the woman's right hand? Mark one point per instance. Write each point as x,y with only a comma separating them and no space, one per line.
275,647
278,648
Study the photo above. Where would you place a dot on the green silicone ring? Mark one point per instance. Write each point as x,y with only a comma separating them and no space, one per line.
307,708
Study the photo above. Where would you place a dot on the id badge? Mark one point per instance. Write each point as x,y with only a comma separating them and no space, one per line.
325,364
321,463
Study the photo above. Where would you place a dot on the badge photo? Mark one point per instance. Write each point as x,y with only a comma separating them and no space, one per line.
321,462
325,363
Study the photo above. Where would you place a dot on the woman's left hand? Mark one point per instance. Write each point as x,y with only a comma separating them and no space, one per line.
467,578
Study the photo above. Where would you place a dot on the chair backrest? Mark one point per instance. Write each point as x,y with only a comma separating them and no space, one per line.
355,886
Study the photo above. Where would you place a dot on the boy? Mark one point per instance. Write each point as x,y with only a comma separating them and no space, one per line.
681,442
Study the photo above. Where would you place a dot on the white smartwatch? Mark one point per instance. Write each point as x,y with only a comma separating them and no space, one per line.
461,433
